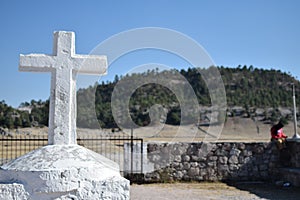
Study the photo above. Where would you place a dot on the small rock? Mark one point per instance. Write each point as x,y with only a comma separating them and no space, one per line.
233,159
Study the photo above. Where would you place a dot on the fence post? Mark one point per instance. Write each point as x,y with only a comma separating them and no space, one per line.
142,155
131,144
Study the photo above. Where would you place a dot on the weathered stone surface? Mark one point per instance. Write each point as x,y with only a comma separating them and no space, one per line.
223,159
212,164
205,149
235,152
13,191
221,152
202,165
248,160
247,153
186,165
186,158
213,158
233,159
238,161
178,175
60,157
177,158
194,164
233,167
193,172
54,171
223,168
226,146
258,149
241,146
64,65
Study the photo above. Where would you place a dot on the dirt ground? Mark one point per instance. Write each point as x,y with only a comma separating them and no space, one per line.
213,191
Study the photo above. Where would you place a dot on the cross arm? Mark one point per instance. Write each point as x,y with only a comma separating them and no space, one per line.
37,63
90,64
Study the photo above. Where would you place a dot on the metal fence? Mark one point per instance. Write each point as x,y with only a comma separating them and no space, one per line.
13,146
110,145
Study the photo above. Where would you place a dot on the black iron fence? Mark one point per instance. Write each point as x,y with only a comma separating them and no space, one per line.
13,146
110,145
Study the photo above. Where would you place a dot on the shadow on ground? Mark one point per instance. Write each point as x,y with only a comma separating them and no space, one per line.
267,190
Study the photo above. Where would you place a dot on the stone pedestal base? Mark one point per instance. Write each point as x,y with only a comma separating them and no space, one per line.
62,172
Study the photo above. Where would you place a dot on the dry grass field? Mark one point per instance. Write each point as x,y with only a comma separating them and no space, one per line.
235,129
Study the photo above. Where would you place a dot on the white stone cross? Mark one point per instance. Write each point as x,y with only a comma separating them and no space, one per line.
64,66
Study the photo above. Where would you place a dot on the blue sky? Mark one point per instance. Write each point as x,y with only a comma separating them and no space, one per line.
262,33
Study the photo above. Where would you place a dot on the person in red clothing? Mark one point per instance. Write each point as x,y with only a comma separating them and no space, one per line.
278,136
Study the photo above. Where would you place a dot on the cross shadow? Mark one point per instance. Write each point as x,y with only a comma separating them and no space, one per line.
266,190
205,132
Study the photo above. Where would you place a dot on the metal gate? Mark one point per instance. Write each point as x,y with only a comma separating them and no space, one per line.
118,146
115,148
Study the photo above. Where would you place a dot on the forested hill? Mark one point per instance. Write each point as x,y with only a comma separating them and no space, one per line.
245,86
258,87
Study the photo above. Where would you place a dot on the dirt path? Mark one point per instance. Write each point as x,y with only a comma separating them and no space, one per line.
212,191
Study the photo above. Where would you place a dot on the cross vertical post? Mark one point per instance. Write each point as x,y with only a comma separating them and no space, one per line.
64,65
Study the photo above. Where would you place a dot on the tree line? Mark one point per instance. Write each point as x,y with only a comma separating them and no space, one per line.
245,86
36,115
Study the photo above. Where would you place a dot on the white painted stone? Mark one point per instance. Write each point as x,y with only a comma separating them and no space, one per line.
62,157
141,162
64,66
12,192
62,170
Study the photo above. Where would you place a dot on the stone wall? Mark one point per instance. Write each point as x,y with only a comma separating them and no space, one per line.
294,152
290,171
211,161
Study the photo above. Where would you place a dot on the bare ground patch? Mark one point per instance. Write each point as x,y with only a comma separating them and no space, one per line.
213,191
